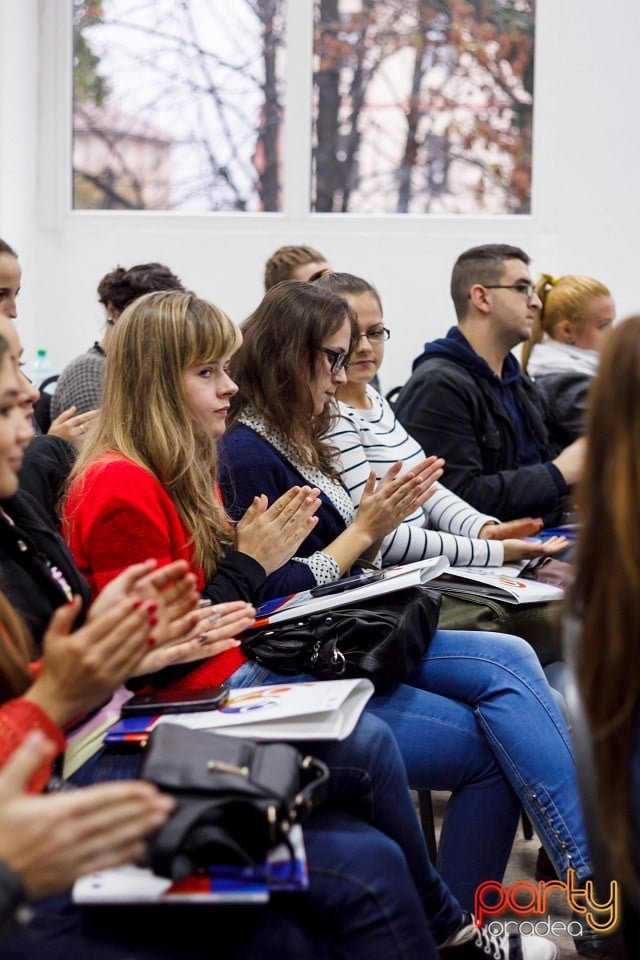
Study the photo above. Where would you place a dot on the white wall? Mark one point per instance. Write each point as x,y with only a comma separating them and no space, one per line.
585,212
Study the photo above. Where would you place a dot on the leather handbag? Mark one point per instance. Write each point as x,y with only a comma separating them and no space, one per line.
382,641
236,799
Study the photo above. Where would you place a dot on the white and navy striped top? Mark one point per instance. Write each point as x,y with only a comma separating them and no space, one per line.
445,525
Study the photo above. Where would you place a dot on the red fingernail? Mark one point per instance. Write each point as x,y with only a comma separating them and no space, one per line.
151,641
152,607
137,604
153,621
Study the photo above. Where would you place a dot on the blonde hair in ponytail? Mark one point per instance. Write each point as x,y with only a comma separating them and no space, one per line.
562,298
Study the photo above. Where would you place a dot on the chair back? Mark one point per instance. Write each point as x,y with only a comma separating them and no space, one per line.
42,409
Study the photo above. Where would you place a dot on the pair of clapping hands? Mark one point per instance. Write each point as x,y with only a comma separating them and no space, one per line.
144,620
272,534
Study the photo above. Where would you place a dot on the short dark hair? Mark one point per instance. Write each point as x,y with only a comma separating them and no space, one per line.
483,264
124,285
5,248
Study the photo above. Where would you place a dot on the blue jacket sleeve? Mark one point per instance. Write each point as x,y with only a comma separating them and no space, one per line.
249,466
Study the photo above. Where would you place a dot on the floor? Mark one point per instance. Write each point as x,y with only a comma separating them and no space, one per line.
521,866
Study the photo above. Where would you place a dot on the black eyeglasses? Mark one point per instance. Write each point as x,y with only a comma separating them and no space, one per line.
339,359
377,335
527,288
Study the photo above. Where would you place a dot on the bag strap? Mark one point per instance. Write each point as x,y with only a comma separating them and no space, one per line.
314,792
168,856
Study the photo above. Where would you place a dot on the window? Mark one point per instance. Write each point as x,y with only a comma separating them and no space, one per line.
423,107
412,106
178,104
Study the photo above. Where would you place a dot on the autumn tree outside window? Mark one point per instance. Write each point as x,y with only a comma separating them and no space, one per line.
418,106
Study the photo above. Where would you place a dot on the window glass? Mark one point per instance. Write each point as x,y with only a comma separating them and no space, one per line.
418,106
178,104
423,106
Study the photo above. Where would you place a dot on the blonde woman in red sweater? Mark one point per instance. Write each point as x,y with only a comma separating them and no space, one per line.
146,481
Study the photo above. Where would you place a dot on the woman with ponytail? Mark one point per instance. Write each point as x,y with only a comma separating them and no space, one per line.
562,355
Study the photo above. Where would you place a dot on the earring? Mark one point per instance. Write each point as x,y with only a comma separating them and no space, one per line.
571,342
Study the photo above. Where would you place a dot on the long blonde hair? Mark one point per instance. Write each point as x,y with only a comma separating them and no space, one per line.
144,415
606,592
563,298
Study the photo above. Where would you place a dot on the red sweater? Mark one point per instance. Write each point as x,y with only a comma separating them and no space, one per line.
116,514
18,718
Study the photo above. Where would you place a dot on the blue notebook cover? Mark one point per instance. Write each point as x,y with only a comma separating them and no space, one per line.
131,730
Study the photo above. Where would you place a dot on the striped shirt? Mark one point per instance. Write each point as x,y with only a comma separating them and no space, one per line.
445,525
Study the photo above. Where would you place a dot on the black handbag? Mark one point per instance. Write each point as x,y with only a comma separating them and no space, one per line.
382,641
236,799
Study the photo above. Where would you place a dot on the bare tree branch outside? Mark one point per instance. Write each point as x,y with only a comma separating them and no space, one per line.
423,106
178,104
419,106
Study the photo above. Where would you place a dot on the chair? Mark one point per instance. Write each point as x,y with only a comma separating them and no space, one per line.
42,409
427,822
392,395
624,942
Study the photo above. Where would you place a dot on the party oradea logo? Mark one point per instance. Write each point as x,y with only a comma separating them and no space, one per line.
524,898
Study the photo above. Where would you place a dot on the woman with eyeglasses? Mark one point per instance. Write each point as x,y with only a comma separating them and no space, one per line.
489,685
147,483
369,437
284,379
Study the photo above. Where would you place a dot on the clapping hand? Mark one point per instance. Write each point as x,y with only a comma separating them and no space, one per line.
385,505
73,427
217,629
272,534
49,841
512,529
515,547
82,668
515,550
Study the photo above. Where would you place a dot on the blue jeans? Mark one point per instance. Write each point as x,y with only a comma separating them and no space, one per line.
373,891
476,717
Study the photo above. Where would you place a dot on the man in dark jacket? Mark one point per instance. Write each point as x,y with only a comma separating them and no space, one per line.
469,402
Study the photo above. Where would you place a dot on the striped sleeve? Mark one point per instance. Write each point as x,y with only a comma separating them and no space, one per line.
444,526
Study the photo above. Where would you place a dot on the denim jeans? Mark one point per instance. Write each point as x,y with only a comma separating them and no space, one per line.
373,891
476,717
500,677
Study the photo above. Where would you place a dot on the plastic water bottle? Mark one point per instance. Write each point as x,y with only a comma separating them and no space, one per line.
41,368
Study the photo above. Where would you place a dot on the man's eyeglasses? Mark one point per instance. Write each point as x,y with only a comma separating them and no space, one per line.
339,359
527,289
377,334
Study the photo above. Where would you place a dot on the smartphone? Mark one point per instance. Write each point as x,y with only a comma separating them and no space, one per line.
152,704
347,583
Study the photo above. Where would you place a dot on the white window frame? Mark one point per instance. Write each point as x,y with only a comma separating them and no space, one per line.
55,153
